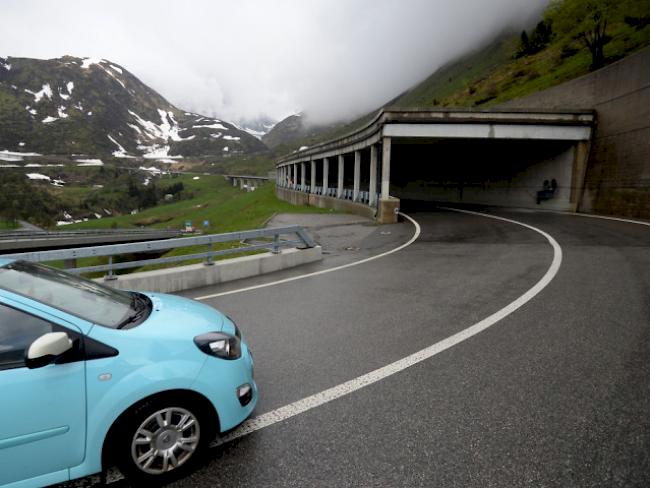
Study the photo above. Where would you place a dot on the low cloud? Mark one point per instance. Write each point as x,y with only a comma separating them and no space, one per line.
329,58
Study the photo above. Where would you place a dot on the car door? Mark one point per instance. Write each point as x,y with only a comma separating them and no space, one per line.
42,410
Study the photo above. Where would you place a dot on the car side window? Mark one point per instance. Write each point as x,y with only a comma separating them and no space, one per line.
17,331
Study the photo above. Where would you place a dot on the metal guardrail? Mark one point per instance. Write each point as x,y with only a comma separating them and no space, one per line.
71,255
22,240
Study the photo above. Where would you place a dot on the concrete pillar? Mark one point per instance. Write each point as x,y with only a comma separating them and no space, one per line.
580,160
295,176
241,183
303,176
234,181
339,190
372,190
357,176
385,169
313,177
326,175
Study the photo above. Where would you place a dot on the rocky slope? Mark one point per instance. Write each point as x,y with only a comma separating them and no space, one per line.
95,107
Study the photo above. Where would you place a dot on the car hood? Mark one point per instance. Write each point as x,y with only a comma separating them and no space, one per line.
174,315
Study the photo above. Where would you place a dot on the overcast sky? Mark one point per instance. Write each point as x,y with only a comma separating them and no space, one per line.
246,58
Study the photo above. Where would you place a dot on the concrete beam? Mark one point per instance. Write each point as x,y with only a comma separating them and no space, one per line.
489,131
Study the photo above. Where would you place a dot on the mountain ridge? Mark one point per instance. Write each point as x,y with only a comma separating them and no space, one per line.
95,107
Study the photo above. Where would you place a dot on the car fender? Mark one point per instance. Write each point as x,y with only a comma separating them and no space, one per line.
114,388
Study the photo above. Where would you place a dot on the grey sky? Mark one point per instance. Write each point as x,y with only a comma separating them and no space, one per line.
244,58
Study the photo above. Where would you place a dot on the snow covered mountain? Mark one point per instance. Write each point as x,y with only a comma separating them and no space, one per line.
95,107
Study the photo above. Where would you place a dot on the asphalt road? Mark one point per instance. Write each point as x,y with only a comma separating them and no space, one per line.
555,394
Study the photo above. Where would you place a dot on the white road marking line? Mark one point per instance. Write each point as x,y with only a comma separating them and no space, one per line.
316,273
605,217
313,401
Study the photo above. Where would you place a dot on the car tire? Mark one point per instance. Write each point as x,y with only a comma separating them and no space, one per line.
162,439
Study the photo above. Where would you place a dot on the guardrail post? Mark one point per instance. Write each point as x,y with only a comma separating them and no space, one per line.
209,261
110,276
305,238
276,244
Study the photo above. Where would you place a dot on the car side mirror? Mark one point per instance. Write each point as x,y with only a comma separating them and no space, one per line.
47,349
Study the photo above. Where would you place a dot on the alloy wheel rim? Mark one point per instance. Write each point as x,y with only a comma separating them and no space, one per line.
166,440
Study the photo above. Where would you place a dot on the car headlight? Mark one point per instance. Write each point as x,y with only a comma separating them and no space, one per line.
219,344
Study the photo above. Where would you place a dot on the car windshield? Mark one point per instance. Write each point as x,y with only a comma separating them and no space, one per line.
80,297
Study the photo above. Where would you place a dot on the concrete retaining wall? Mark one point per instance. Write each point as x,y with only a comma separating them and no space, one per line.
301,198
617,179
198,275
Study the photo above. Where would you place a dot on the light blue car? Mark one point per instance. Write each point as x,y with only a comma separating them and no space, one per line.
92,377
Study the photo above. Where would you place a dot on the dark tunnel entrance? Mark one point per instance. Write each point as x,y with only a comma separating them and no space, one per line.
511,173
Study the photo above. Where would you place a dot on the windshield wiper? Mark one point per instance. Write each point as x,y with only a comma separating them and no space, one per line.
140,305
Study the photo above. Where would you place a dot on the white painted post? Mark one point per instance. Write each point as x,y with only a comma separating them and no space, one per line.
385,169
339,191
357,176
313,177
303,176
372,190
326,175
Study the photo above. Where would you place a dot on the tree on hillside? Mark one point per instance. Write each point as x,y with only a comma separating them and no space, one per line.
587,20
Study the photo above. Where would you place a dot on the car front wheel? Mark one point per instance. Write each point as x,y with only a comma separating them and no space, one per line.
162,439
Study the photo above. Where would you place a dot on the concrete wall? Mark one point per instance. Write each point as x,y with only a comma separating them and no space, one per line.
301,198
617,180
198,275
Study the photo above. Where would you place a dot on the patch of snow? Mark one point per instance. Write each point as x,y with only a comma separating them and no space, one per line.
33,165
116,68
68,222
168,128
31,110
146,181
225,149
90,162
121,152
37,176
5,65
61,112
167,160
112,75
9,165
58,183
49,119
302,148
196,178
21,144
21,155
232,138
156,152
98,216
216,136
64,96
87,62
70,86
89,114
254,133
213,126
14,87
44,91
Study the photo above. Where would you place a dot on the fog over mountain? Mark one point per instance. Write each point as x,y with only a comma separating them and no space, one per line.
255,58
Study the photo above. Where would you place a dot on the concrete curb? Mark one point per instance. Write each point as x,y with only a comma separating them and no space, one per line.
198,275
